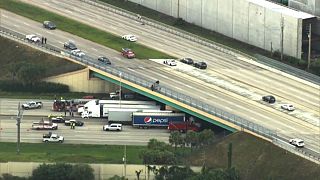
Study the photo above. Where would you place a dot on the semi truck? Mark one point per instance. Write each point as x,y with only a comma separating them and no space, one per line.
125,115
101,108
183,126
157,119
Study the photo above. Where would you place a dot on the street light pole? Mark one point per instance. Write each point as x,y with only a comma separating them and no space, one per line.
309,49
19,115
120,93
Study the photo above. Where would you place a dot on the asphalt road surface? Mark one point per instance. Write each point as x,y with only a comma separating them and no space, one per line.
90,133
229,83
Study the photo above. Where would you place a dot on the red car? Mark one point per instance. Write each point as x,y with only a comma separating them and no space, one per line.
126,52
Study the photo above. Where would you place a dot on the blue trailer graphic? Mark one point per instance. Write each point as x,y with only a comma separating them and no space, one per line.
156,119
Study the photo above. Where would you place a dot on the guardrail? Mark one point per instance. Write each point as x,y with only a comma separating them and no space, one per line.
288,69
237,120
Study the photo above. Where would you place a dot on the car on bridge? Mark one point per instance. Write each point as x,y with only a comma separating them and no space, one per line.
288,107
187,61
297,142
78,53
33,38
170,62
200,65
126,52
104,60
130,37
49,25
269,99
70,45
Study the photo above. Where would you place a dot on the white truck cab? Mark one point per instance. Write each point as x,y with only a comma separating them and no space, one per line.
52,138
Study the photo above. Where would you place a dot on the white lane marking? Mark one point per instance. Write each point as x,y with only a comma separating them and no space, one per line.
92,20
26,24
163,76
94,49
69,11
49,32
5,16
179,88
16,25
113,27
131,69
60,42
141,67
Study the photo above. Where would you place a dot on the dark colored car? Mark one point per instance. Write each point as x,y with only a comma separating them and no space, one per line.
57,119
200,65
269,99
186,60
126,52
77,122
49,25
104,60
70,45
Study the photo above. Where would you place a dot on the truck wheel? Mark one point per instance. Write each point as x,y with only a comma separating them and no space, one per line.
46,141
60,141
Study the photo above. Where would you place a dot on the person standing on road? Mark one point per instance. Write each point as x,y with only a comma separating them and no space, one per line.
41,40
45,40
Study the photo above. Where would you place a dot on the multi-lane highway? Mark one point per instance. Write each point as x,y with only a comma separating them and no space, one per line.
229,83
90,133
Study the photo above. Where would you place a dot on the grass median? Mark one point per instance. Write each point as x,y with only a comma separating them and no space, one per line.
80,29
71,153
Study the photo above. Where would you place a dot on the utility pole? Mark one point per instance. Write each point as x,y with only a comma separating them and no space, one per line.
178,9
19,116
281,42
309,50
120,93
230,156
125,161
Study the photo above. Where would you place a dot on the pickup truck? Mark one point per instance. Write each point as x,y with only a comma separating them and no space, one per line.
183,126
52,138
32,105
45,125
33,38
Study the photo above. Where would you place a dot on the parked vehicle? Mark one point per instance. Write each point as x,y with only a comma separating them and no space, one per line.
130,37
288,107
44,125
70,45
78,53
297,142
100,108
269,99
112,127
183,126
200,65
33,38
32,105
49,25
114,95
150,119
104,60
170,62
52,138
128,53
57,119
77,122
186,60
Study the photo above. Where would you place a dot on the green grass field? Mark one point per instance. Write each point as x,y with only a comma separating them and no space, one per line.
79,29
69,153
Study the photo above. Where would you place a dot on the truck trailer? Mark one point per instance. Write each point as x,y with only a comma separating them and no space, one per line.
158,119
125,115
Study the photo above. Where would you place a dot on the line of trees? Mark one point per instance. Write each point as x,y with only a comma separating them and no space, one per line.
58,171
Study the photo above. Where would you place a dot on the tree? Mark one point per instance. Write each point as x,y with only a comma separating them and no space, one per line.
192,139
206,137
11,177
63,171
176,139
155,144
173,173
116,177
81,172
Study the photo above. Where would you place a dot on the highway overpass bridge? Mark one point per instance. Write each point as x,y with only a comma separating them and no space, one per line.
189,104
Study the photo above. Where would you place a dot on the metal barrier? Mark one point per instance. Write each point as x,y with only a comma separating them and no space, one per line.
237,120
288,69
